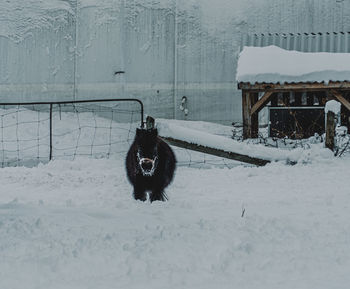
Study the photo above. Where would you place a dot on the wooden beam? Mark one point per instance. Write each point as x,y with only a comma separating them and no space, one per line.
341,99
294,86
259,105
215,152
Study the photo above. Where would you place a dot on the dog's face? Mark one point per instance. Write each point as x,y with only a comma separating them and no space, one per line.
147,150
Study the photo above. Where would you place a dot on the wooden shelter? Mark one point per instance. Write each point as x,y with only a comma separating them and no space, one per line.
296,86
255,96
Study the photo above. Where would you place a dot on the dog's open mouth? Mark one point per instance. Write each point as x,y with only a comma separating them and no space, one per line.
147,165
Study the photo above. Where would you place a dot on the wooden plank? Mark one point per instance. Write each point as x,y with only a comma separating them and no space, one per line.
216,152
341,99
259,105
294,86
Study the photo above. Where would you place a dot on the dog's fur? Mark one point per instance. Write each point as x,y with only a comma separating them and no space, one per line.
150,151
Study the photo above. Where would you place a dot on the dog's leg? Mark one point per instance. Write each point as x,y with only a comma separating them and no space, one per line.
158,195
139,193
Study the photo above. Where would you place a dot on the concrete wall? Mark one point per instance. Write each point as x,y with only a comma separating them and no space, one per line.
168,49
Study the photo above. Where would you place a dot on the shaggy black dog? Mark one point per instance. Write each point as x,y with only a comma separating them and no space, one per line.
150,165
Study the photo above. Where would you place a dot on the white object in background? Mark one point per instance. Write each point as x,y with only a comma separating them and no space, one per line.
183,105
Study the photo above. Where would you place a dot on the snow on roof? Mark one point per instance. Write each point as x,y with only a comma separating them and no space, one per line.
272,64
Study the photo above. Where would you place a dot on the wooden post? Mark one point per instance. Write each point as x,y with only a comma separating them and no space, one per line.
254,116
250,122
246,114
330,130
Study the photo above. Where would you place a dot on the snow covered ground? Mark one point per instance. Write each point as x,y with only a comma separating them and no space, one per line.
73,224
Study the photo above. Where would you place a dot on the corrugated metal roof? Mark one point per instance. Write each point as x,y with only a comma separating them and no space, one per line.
304,42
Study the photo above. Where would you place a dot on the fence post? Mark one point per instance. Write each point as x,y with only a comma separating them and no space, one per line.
330,130
50,131
332,111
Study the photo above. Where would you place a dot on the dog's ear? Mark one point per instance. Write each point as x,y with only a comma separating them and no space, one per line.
149,123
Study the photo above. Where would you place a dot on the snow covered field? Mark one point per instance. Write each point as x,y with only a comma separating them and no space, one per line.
74,224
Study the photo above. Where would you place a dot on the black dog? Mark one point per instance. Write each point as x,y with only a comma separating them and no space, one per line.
150,165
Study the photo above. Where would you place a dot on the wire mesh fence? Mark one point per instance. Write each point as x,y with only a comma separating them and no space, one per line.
37,132
33,133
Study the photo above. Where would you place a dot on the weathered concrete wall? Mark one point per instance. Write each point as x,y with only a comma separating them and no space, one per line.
168,49
38,63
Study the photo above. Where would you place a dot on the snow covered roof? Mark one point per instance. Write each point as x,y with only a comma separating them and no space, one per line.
272,64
